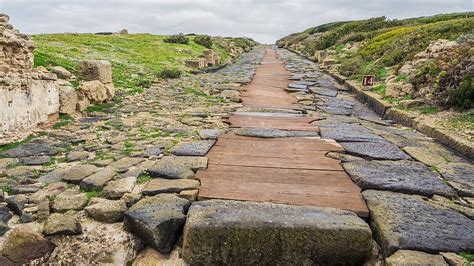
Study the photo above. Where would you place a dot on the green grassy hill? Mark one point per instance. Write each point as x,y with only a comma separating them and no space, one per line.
380,46
137,59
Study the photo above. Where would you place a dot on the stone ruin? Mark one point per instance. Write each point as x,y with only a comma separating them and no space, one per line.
208,58
29,96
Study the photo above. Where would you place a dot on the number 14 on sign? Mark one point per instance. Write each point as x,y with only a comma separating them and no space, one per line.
368,81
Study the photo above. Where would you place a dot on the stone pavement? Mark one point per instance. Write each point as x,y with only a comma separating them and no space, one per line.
119,185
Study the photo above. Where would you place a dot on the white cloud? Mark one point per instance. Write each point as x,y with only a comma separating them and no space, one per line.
264,20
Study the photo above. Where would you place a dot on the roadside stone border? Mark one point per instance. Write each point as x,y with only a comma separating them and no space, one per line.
389,112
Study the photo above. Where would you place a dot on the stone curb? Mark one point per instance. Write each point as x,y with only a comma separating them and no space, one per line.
387,111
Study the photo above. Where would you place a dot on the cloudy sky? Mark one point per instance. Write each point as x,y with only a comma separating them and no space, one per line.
264,20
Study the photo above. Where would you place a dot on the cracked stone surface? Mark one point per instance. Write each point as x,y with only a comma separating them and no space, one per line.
398,176
375,150
273,133
195,148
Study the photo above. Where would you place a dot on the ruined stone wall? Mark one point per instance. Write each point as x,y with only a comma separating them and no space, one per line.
27,97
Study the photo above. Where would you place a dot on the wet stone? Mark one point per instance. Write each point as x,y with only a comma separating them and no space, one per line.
460,176
216,231
273,133
161,185
375,150
195,148
158,220
398,176
403,221
35,160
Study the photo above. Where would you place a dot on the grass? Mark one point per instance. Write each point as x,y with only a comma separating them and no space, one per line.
468,256
91,194
379,88
427,110
143,178
101,108
463,120
136,58
13,145
64,120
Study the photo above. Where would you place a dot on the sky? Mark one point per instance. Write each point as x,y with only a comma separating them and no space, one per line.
264,20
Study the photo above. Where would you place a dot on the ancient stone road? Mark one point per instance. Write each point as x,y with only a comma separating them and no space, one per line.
292,170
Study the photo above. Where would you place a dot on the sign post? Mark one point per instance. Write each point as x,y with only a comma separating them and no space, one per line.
368,81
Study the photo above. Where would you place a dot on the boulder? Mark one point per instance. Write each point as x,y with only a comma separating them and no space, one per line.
23,245
62,224
107,211
61,72
248,233
158,220
67,100
99,70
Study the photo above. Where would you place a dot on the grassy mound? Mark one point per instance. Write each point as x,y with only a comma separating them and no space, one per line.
137,59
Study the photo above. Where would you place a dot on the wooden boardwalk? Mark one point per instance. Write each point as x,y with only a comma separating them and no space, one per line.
291,171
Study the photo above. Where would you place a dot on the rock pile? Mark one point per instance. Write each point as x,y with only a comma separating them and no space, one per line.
208,58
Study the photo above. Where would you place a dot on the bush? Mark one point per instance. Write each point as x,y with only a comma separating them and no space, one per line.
170,73
177,38
204,40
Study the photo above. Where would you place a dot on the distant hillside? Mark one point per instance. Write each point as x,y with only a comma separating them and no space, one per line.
381,47
137,59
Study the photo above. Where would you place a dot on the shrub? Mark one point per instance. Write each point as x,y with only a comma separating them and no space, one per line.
204,40
177,38
170,73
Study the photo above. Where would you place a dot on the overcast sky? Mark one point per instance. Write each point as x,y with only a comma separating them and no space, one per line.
264,20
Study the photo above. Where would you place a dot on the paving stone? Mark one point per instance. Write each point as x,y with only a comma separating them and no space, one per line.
35,160
324,91
103,163
298,86
107,211
174,167
76,173
349,135
53,176
25,189
273,133
62,224
454,204
398,176
152,151
5,214
218,232
125,163
161,185
209,134
460,176
403,221
414,258
375,150
23,245
117,188
35,147
16,203
158,220
70,199
98,180
425,156
49,191
195,148
77,156
454,259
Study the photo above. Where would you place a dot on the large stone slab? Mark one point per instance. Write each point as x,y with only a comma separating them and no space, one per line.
349,135
161,185
98,180
248,233
174,167
158,220
403,221
460,176
76,173
194,148
414,258
398,176
273,133
36,147
375,150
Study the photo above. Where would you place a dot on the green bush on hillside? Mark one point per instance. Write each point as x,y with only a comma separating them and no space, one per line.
204,40
177,38
170,73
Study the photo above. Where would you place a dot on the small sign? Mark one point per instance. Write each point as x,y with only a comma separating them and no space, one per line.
368,81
